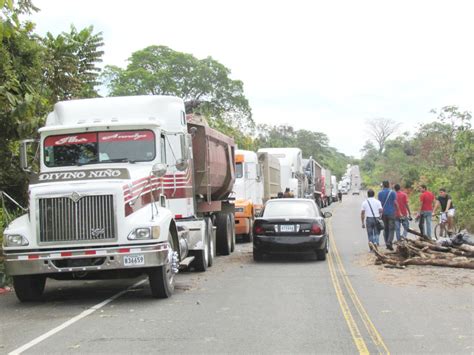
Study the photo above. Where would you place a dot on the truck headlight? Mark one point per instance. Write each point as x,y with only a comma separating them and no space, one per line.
140,234
15,240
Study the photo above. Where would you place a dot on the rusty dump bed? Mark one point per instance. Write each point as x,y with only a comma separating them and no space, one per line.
214,168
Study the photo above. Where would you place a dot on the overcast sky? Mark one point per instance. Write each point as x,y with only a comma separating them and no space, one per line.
320,65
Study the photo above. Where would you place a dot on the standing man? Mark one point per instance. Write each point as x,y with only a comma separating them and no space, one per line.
388,199
445,203
371,210
426,210
339,195
402,213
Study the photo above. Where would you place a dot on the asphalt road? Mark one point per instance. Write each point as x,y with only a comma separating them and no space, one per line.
286,305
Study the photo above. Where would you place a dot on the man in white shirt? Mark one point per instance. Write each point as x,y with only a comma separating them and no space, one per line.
371,210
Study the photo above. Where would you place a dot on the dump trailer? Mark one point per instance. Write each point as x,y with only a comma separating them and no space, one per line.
292,176
248,190
313,172
326,187
334,188
126,186
270,167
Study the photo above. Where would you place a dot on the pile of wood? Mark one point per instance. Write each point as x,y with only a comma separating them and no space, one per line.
423,251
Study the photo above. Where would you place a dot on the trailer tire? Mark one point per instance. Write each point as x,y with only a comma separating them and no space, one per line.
29,288
204,258
232,223
224,233
161,278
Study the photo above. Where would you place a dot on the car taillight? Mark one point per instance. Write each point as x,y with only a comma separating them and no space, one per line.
259,230
316,229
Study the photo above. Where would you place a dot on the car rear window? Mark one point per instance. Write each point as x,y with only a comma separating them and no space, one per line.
289,209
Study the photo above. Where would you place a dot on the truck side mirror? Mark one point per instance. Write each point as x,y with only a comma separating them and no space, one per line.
24,164
159,170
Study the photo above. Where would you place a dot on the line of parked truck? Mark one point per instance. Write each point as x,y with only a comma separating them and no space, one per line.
132,185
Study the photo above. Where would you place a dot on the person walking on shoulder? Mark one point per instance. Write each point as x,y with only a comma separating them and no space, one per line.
426,210
445,203
402,214
371,210
388,198
339,195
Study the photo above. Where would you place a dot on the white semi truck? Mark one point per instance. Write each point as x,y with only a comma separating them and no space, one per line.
126,186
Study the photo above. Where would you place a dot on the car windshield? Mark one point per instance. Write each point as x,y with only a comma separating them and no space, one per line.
239,170
289,209
99,147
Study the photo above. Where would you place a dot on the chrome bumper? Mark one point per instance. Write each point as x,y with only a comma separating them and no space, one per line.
110,259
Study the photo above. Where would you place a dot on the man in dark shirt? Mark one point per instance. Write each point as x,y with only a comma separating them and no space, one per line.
445,203
388,199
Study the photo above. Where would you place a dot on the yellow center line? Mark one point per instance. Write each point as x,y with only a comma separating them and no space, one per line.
369,325
356,335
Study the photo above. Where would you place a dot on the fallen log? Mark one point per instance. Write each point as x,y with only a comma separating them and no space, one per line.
425,252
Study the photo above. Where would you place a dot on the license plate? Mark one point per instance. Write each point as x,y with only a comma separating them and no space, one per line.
132,260
287,228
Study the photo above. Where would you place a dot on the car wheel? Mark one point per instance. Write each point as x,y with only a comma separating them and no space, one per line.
257,255
321,254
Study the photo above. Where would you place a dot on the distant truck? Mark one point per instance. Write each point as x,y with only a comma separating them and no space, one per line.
326,187
334,188
126,186
249,190
257,181
291,169
271,175
313,171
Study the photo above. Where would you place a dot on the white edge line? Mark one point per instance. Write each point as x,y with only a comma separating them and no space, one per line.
73,320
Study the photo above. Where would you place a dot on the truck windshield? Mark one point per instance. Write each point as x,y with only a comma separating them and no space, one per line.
239,170
99,147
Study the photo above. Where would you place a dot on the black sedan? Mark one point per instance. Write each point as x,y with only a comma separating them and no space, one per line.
290,225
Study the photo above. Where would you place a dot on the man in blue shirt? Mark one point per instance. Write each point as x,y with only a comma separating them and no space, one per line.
388,199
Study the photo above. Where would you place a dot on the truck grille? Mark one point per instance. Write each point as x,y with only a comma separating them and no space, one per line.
69,219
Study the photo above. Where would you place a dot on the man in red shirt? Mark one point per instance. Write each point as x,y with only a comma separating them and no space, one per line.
427,199
402,213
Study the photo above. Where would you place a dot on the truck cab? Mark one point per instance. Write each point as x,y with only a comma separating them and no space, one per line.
248,189
114,196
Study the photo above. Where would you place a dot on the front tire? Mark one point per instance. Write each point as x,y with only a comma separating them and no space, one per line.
29,288
161,278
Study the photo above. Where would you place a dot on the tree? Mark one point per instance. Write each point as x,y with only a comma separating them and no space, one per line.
380,129
72,63
22,103
204,84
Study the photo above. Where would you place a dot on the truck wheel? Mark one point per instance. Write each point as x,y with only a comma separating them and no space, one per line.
232,222
210,242
161,278
29,288
204,258
224,233
248,238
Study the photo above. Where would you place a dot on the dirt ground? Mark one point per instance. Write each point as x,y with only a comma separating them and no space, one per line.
415,275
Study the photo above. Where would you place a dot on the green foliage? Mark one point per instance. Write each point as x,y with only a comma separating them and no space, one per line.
28,88
204,84
440,155
72,59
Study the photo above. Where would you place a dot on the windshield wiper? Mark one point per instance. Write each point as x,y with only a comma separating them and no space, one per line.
118,160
